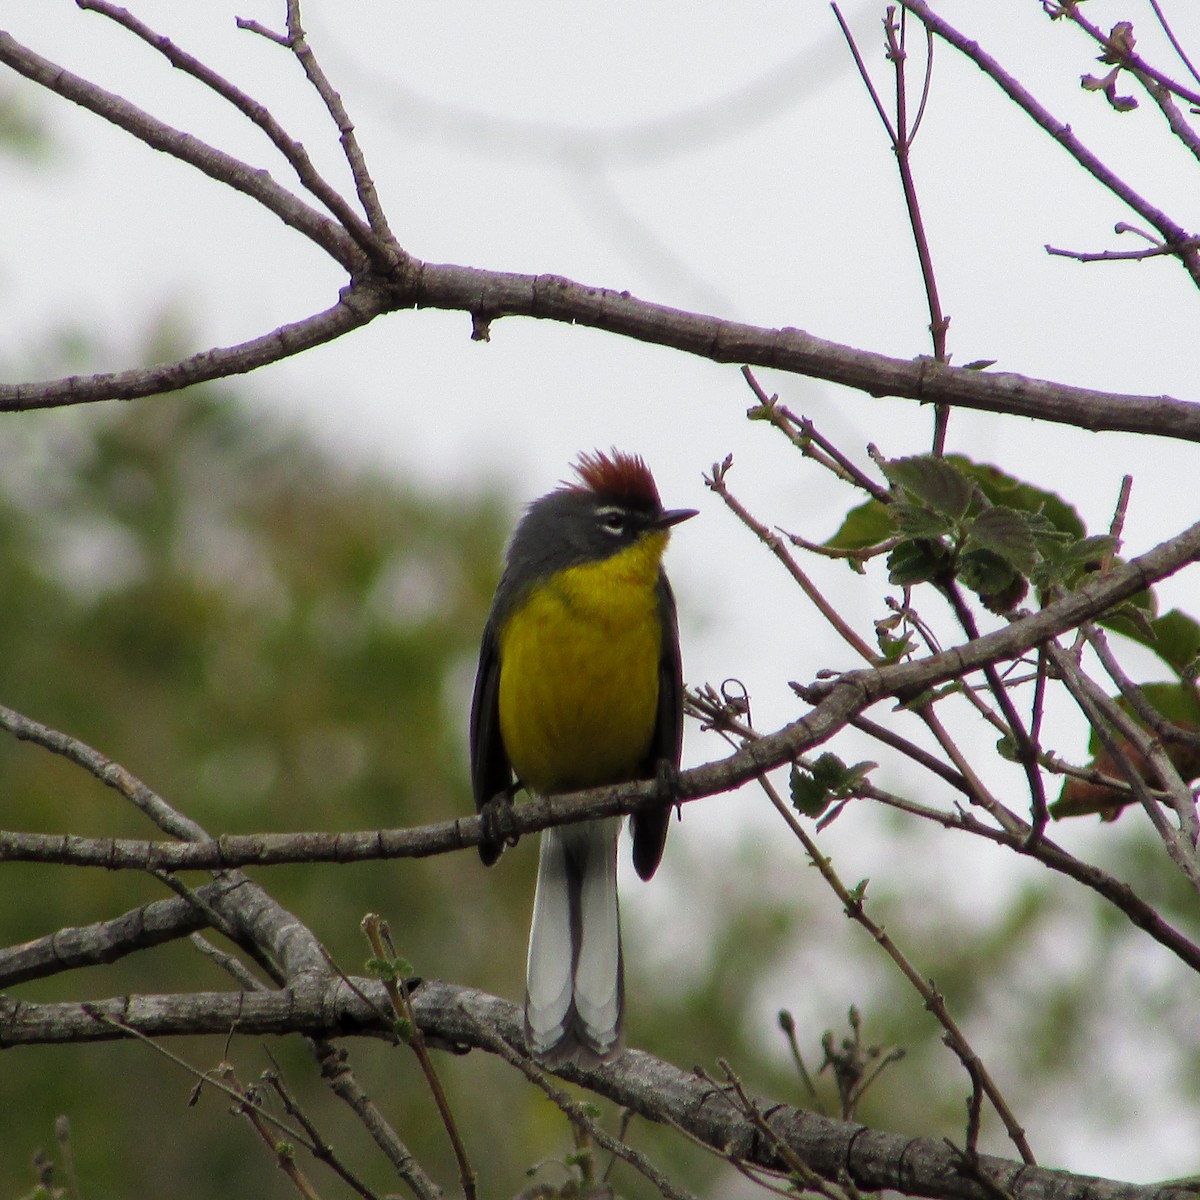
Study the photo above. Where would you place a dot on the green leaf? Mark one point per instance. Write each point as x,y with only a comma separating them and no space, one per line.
894,649
993,579
389,969
1091,551
1174,637
828,778
1131,621
1001,488
916,521
1178,702
935,481
1005,532
917,562
867,525
810,795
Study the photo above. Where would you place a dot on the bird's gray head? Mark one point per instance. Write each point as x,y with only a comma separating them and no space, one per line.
614,503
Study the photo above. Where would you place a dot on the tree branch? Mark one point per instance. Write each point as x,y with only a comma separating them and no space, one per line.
357,305
489,295
107,941
1173,234
250,108
214,163
836,1150
843,698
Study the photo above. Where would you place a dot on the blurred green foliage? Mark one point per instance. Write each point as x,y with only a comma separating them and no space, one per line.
271,639
277,639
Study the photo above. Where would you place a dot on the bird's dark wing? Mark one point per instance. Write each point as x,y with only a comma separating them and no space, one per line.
491,772
649,827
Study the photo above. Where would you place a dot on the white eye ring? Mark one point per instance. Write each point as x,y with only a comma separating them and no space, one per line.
612,520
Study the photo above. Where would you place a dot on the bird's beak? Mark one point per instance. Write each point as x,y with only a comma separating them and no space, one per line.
673,516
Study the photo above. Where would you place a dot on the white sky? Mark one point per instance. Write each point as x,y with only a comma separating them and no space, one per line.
600,142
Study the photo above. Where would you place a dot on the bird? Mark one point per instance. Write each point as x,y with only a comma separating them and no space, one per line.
580,684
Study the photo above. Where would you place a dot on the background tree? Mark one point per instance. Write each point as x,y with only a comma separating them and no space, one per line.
253,628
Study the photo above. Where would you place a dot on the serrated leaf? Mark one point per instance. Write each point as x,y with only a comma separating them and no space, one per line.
1174,637
936,482
829,770
815,787
810,797
915,521
1005,532
1090,551
856,776
1177,639
867,525
1001,488
916,562
1131,621
893,649
985,572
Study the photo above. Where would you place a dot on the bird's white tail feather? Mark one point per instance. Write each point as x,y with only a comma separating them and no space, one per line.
574,987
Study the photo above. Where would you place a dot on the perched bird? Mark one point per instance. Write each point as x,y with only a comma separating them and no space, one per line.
579,685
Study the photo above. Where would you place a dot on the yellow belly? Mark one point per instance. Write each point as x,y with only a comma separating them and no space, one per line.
579,674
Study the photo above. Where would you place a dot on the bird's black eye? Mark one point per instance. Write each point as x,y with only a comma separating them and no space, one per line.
613,521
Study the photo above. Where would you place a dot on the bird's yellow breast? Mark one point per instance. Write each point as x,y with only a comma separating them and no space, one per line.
579,672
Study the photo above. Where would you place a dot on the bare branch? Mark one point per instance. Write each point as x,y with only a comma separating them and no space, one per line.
214,163
357,305
1173,234
490,295
289,147
841,699
840,1151
775,543
934,1001
107,941
363,182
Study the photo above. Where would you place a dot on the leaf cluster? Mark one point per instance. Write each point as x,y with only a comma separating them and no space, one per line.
828,779
951,520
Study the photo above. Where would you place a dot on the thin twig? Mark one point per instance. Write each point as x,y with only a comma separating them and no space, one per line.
854,908
344,1083
801,1172
363,183
773,542
384,255
1158,250
108,772
321,1150
1024,746
578,1115
376,931
1129,59
1105,717
901,136
1166,28
216,164
1172,233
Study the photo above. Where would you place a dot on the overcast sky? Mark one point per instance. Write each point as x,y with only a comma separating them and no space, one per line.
724,161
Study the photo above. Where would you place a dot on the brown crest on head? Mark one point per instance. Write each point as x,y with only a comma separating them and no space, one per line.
619,478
